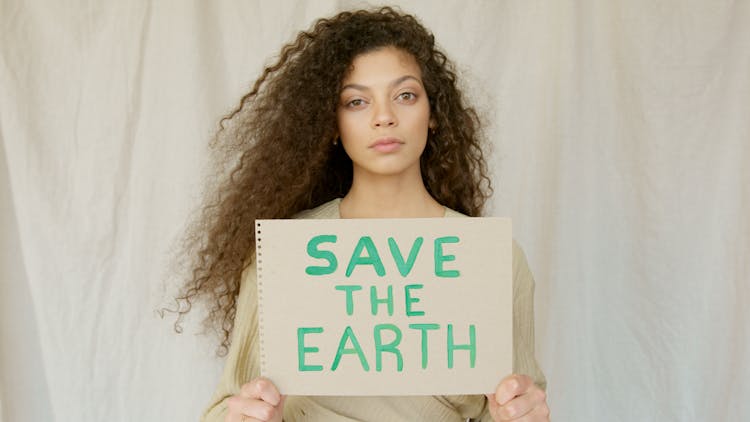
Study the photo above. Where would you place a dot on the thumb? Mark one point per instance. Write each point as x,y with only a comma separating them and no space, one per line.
492,403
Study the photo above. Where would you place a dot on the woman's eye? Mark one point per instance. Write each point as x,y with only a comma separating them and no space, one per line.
407,96
355,103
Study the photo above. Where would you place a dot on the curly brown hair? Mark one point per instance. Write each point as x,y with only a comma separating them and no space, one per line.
278,143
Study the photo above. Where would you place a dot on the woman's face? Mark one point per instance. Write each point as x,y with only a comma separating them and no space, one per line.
384,113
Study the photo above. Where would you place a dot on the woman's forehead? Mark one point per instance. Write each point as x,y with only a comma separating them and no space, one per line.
383,65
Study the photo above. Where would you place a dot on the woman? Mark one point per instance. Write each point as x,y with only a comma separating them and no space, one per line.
359,118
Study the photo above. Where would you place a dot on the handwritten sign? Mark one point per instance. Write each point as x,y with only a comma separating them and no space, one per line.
385,306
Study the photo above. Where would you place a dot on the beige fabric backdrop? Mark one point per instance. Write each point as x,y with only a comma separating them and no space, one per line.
621,135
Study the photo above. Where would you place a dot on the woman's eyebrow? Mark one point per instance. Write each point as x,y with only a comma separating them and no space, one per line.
403,79
393,83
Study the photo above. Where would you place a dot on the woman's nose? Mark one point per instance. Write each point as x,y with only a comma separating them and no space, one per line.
384,116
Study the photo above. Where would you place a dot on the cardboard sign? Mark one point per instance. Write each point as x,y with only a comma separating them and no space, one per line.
385,306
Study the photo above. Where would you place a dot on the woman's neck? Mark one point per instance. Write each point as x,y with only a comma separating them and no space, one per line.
389,197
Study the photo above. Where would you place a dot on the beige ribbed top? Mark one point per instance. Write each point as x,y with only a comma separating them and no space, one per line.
242,364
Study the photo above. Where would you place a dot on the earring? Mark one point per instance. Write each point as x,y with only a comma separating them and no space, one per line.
335,141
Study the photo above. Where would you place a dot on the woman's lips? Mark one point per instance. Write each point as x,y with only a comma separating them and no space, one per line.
386,144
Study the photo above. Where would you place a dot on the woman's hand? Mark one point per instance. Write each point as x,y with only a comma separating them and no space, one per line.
258,401
517,398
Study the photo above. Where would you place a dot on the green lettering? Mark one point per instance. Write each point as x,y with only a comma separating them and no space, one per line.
405,267
390,347
372,257
349,289
471,347
356,349
440,258
314,252
301,349
374,301
424,328
410,300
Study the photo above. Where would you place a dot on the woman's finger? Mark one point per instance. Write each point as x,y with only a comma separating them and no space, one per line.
512,386
517,398
259,410
246,409
522,405
538,414
262,389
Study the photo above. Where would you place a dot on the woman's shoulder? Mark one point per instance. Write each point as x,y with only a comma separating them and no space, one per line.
328,210
449,213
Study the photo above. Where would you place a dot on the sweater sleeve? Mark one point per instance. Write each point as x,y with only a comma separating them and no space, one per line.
524,359
242,364
524,355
